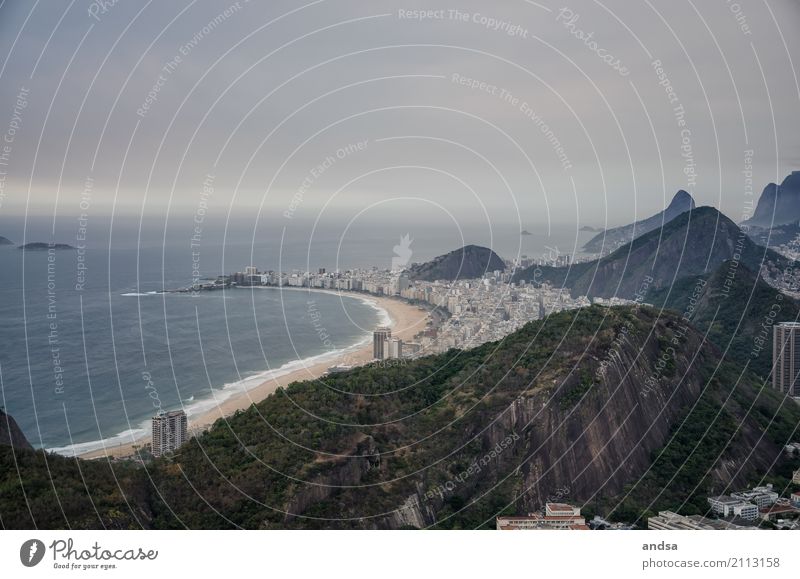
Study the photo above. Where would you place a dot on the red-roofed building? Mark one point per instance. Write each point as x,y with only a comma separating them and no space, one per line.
779,511
557,517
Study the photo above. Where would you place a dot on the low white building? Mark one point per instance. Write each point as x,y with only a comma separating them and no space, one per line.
557,517
747,511
728,506
762,497
669,521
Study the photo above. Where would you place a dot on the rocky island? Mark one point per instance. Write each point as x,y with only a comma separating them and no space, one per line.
42,246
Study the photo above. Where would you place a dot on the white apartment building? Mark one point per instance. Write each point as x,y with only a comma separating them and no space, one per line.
394,348
728,506
170,431
747,511
762,497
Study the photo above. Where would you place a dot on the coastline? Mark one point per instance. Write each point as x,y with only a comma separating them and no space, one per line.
405,320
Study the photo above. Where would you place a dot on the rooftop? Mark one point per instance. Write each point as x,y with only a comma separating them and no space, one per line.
560,507
725,499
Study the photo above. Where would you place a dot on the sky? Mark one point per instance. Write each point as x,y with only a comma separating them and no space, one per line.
336,113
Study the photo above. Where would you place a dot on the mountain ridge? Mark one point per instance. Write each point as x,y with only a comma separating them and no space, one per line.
694,243
733,305
617,236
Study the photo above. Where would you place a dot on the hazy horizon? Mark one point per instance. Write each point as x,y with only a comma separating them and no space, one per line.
530,113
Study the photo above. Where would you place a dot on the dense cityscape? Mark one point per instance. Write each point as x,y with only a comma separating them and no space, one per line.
476,310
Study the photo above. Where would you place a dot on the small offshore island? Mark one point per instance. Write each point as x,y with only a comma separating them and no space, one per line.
43,246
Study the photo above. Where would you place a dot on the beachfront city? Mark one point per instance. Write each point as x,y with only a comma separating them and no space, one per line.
465,313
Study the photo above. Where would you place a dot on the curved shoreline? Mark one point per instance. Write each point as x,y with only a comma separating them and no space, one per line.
406,320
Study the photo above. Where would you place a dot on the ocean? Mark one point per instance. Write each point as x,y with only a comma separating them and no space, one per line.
92,348
81,365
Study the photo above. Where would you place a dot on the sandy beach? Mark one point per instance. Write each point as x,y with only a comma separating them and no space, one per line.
407,320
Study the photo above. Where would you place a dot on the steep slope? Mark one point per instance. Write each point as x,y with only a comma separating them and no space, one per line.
737,309
5,241
778,204
586,400
471,261
613,238
10,432
694,243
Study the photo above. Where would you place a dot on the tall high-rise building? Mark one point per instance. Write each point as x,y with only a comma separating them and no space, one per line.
786,358
170,431
402,283
379,339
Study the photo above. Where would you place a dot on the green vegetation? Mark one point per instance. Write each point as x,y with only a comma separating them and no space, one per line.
447,441
48,492
736,308
707,435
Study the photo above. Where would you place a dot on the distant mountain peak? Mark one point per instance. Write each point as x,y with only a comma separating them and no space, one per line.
683,200
778,204
613,238
692,244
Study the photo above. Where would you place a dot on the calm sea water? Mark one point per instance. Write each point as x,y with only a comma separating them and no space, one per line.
89,363
81,365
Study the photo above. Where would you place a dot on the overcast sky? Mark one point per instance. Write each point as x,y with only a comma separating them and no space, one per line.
148,101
